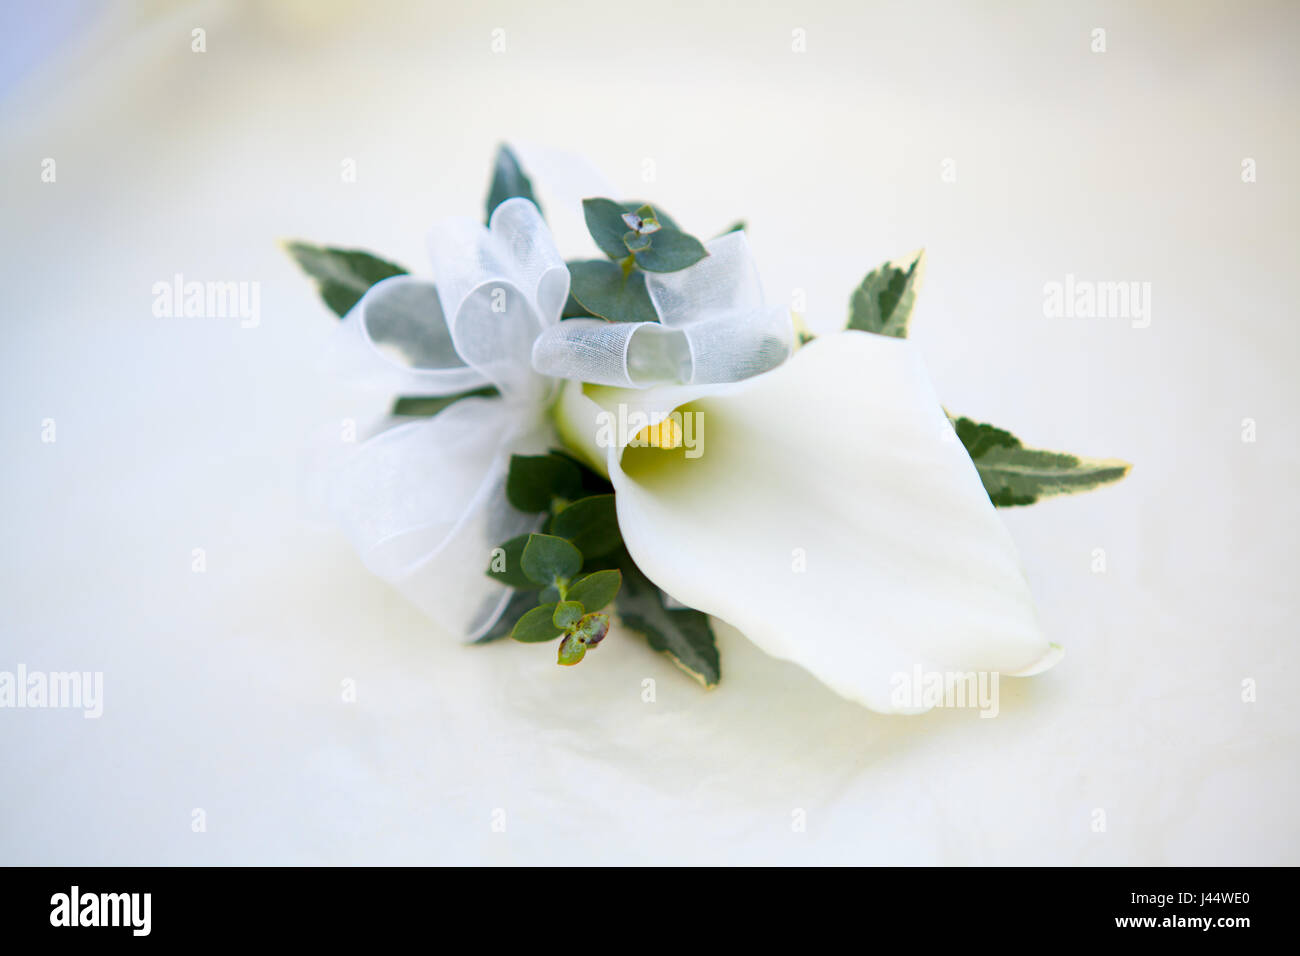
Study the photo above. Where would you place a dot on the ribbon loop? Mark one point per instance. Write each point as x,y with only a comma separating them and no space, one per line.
396,339
723,282
500,286
424,505
713,328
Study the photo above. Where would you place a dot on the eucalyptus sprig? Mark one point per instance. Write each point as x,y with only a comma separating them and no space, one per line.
574,614
638,239
581,529
578,505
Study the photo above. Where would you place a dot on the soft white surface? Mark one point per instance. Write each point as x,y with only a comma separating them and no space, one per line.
222,690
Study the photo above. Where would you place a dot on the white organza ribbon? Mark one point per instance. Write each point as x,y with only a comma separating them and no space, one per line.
714,327
502,287
424,503
396,339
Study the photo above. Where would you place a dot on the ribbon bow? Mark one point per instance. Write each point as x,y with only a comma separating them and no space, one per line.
424,502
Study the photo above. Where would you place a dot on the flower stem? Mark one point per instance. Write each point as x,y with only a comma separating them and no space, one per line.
577,423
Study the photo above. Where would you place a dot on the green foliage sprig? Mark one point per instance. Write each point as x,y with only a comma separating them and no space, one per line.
637,239
566,575
561,569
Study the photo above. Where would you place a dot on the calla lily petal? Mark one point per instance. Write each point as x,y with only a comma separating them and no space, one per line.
831,516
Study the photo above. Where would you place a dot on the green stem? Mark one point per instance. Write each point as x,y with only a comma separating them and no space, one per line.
577,423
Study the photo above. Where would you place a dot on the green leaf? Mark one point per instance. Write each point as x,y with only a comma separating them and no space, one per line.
518,604
536,626
591,629
737,226
1015,475
593,483
591,524
508,181
584,636
342,275
609,229
605,223
600,287
636,242
508,566
572,650
573,309
803,335
594,591
649,218
883,302
670,250
661,217
567,614
422,407
684,635
549,560
534,481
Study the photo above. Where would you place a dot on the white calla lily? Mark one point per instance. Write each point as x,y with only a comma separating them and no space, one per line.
828,512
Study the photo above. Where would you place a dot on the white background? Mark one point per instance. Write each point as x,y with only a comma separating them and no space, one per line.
223,689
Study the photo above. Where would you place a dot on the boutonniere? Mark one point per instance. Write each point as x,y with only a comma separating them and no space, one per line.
641,433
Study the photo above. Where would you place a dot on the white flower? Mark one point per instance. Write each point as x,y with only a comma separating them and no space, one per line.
828,512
